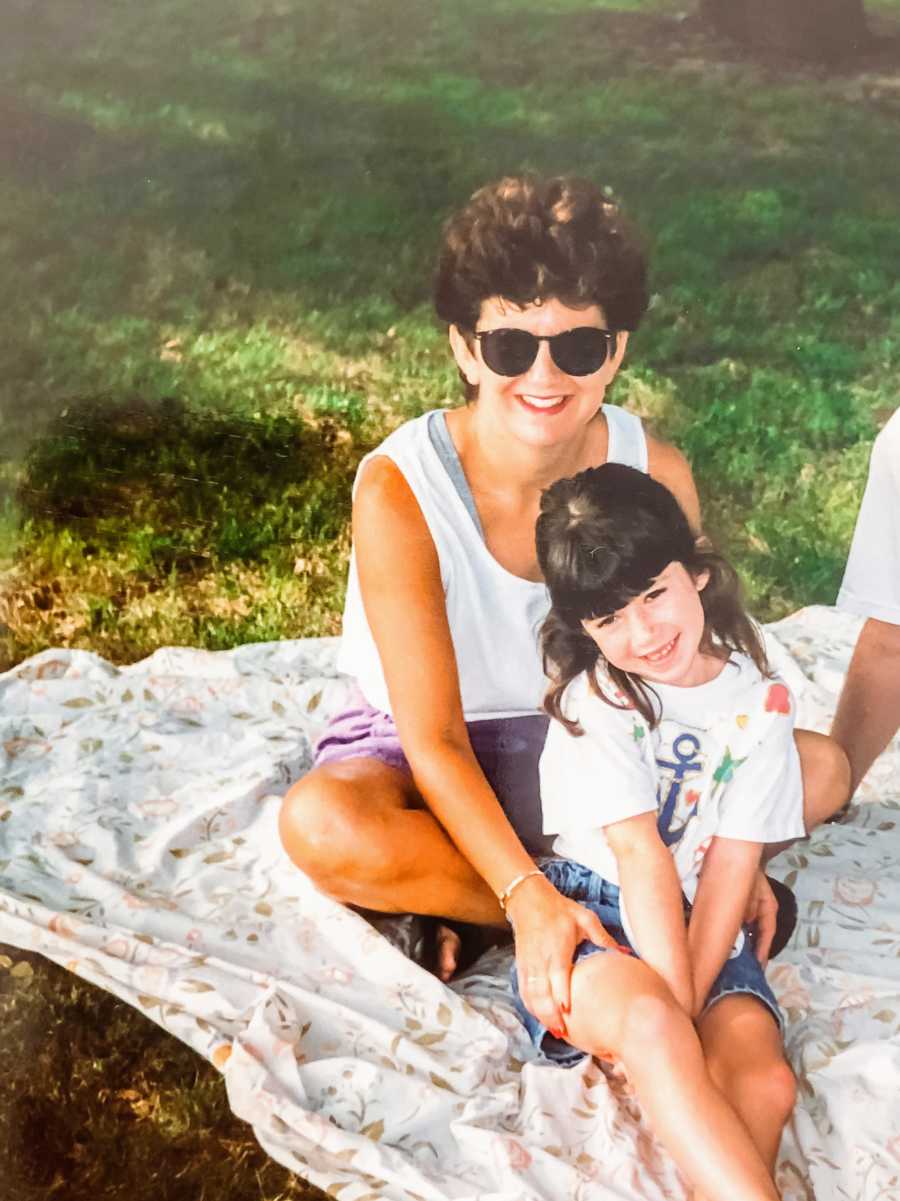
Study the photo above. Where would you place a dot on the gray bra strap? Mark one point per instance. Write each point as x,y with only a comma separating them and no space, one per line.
446,452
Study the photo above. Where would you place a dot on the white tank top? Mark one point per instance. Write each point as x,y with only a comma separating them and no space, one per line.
494,616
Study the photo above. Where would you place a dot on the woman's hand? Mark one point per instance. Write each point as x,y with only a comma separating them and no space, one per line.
548,927
762,908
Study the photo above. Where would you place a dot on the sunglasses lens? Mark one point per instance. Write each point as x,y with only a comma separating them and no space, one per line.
580,351
509,351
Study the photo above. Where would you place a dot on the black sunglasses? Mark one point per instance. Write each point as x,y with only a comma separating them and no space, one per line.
579,351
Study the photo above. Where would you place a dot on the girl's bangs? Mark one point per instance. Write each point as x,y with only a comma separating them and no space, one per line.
611,586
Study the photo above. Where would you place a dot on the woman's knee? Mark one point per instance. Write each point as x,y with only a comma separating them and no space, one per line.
321,827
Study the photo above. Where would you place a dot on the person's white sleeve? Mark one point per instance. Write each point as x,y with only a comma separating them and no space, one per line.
604,776
759,777
871,585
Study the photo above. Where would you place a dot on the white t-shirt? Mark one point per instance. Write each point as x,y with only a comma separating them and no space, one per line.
871,584
722,761
494,616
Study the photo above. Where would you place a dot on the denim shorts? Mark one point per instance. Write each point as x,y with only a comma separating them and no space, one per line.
507,749
742,974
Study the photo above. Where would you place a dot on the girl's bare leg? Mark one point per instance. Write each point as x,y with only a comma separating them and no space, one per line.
826,783
745,1058
360,831
622,1005
826,776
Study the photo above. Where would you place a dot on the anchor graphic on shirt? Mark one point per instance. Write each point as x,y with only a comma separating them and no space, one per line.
685,749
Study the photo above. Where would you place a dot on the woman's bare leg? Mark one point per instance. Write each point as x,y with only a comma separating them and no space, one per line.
622,1005
360,831
745,1057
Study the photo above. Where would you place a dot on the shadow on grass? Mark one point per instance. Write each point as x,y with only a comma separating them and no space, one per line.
139,523
211,485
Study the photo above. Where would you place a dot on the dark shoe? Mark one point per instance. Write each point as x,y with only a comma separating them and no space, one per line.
786,920
839,816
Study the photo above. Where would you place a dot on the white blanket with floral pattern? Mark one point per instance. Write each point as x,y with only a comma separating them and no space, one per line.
138,848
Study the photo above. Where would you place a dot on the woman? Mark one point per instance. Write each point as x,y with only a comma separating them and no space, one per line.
425,797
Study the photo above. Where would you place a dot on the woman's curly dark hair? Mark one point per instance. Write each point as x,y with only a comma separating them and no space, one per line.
602,538
524,238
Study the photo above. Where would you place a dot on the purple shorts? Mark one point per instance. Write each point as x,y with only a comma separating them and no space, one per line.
507,750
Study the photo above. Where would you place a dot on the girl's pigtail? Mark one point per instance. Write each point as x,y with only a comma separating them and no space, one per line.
567,653
727,624
635,694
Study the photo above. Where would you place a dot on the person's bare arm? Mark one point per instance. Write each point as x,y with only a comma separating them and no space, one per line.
400,581
868,712
728,877
669,466
652,894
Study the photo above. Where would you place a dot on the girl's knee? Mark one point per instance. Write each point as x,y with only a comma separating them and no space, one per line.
622,1007
777,1089
652,1017
765,1083
826,776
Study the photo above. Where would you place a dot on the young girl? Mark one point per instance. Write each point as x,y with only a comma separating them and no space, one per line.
670,762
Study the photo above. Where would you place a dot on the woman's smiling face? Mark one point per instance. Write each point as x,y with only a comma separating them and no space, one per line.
657,635
544,406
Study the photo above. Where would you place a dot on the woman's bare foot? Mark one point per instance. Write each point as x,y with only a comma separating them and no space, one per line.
449,945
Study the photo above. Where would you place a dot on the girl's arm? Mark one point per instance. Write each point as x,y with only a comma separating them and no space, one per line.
652,893
400,581
729,874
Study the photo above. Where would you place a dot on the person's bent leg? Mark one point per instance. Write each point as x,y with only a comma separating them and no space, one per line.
826,782
826,776
745,1057
359,830
620,1005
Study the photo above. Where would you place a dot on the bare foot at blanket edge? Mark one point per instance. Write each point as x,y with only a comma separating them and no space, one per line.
448,947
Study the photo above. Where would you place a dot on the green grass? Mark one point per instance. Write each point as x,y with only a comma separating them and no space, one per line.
231,209
218,221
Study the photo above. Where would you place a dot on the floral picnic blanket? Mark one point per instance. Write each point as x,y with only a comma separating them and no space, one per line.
138,848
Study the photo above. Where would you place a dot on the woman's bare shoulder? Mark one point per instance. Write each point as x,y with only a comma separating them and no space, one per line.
667,464
385,510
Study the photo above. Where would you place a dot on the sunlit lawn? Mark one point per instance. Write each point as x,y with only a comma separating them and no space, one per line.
216,228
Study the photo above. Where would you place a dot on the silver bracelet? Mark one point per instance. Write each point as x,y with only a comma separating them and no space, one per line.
514,884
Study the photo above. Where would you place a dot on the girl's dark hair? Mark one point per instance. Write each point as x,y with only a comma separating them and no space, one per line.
602,538
525,238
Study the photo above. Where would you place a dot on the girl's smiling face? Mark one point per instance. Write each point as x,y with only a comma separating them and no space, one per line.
657,635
